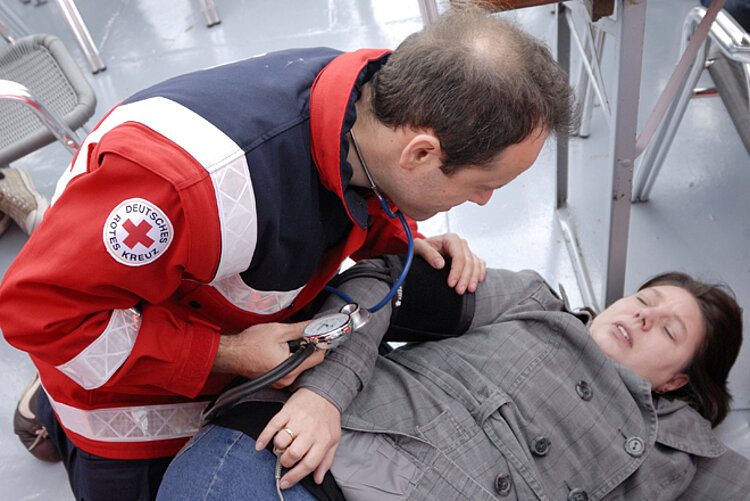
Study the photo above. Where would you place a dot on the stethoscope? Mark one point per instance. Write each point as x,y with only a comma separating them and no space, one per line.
322,333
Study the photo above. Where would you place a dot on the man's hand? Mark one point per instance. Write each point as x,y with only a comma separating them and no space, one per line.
260,348
467,270
307,429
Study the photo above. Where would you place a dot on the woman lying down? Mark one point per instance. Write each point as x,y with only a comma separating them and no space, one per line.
532,401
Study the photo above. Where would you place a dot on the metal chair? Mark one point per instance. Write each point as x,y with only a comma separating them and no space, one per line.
43,97
596,9
12,26
726,54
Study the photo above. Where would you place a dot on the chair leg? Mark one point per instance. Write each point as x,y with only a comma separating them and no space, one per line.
657,134
429,11
209,12
81,32
657,149
584,87
11,26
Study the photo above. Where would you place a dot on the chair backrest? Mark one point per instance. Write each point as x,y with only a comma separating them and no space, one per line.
42,64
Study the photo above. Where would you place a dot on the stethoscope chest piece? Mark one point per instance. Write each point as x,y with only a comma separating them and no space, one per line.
329,331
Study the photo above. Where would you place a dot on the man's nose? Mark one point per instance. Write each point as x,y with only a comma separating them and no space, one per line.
481,197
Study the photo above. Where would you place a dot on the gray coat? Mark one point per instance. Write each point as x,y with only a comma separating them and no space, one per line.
523,406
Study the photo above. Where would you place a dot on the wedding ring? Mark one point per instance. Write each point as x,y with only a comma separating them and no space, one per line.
290,432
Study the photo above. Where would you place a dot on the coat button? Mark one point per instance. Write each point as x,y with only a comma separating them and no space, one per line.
578,494
194,304
540,446
635,446
584,390
503,484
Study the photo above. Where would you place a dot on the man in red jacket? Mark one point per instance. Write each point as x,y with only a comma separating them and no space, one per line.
202,212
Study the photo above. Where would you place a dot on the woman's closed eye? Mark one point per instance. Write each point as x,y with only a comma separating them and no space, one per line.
668,332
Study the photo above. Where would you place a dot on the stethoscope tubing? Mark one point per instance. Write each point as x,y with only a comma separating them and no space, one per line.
229,398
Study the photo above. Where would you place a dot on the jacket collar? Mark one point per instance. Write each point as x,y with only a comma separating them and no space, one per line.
332,114
681,427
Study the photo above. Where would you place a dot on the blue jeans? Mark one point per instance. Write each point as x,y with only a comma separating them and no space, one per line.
221,463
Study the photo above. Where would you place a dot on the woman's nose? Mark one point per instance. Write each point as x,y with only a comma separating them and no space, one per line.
644,317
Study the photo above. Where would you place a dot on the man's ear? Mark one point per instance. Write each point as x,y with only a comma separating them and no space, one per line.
677,381
422,151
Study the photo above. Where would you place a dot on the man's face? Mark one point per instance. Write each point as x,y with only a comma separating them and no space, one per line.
654,333
425,193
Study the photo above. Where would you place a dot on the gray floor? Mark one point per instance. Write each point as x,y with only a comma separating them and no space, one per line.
696,220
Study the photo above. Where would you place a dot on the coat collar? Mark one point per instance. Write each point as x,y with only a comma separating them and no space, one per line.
681,427
332,114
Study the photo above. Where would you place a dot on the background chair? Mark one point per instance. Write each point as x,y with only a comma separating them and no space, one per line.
732,80
726,54
43,97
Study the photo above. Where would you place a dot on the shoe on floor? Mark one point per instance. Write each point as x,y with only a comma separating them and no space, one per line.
20,200
4,222
29,428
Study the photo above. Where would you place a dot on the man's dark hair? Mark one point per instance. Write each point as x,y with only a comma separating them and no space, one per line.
708,370
479,83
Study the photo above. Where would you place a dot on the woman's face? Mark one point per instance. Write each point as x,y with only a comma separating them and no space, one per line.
654,333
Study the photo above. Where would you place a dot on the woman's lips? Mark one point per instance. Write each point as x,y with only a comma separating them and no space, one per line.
622,333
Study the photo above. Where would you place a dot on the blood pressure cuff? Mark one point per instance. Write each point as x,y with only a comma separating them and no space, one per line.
424,307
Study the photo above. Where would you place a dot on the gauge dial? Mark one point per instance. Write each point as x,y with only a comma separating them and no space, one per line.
324,331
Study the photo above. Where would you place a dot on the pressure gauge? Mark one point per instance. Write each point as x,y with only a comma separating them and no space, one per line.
328,331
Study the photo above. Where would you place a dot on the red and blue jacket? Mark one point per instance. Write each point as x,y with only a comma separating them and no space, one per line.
200,206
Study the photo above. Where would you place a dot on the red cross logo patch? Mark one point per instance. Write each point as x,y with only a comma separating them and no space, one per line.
137,232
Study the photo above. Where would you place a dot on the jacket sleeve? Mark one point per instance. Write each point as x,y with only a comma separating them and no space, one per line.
505,293
348,368
66,299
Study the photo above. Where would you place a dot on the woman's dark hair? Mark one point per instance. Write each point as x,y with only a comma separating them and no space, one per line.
708,370
477,82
